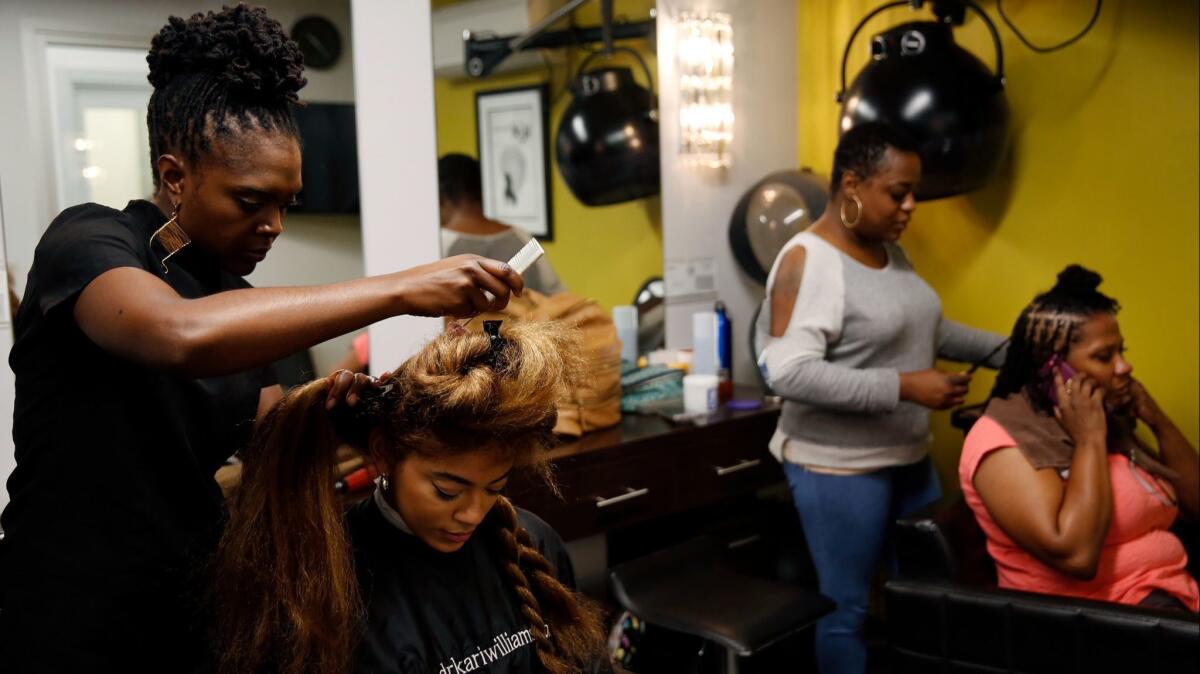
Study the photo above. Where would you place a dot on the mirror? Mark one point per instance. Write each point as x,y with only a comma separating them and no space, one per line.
770,213
97,103
497,135
652,314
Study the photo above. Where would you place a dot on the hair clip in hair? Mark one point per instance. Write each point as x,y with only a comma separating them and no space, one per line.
492,329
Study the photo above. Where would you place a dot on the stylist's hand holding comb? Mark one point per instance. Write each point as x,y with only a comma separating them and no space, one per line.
455,286
934,388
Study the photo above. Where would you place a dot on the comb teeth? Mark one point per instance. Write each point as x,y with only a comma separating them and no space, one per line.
524,259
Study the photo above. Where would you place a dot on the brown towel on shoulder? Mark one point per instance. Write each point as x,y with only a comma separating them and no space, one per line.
1046,444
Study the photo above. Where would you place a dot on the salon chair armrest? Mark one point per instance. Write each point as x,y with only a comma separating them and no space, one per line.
944,541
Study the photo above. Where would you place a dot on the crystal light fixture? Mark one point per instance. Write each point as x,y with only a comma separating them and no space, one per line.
704,54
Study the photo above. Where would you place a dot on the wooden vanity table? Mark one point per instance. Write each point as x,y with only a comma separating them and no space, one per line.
649,467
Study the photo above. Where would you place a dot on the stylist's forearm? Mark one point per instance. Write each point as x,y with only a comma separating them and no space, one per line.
836,387
137,316
242,329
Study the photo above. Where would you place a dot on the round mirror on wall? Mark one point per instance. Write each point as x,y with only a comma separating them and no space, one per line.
652,328
770,213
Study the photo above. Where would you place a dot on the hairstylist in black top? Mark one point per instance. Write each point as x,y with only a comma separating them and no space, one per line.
141,366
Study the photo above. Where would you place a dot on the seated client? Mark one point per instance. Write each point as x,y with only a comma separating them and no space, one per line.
1071,500
437,571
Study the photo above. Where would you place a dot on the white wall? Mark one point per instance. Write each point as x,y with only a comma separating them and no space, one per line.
397,156
316,249
7,391
313,250
697,203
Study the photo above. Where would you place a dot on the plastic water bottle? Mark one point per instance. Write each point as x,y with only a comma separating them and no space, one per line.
724,353
625,318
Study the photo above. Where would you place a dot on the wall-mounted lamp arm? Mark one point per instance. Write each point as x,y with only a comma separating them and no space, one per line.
483,53
519,41
606,23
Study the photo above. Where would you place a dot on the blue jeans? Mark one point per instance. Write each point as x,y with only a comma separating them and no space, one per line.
847,523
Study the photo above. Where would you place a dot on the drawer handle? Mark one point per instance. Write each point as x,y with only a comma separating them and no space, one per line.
740,466
629,495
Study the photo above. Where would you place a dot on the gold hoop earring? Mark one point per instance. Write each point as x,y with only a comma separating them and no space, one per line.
171,238
857,216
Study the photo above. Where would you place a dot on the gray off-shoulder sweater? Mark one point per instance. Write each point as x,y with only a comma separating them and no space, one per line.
853,330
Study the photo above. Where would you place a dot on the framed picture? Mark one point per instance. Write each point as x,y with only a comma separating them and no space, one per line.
511,125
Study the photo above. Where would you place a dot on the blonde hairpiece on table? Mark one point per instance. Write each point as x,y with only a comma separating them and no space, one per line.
171,237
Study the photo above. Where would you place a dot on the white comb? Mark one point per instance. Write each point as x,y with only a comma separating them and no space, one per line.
522,261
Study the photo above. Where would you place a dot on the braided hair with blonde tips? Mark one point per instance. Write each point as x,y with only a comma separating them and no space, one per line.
285,594
577,638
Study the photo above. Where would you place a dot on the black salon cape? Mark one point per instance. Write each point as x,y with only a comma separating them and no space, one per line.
114,507
435,613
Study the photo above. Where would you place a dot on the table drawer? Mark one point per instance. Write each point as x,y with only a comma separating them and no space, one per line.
719,470
607,494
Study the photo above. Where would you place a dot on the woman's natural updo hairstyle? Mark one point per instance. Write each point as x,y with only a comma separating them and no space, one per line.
217,73
286,595
1047,328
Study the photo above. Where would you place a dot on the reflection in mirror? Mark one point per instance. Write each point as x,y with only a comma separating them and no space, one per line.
506,124
652,315
466,229
98,98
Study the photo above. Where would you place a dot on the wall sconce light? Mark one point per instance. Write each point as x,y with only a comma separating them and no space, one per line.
704,54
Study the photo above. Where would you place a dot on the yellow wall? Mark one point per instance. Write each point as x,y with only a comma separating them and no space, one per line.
603,252
1103,171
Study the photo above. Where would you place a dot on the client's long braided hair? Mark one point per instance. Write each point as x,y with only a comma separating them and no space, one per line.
285,591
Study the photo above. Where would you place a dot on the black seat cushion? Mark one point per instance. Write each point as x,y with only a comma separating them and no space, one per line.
697,588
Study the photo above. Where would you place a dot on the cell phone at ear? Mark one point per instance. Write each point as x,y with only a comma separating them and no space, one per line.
1065,372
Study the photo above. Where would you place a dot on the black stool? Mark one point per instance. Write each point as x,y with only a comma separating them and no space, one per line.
700,588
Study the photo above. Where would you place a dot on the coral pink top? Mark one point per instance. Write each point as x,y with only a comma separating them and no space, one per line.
362,349
1139,554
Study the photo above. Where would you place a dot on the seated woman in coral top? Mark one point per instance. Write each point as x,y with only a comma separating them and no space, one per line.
1072,502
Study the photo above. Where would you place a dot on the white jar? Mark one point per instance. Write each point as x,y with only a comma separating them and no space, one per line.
700,393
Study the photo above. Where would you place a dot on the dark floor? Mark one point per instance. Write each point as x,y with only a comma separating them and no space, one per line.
677,654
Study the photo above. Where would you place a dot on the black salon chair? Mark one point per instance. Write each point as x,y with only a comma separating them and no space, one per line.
712,589
945,614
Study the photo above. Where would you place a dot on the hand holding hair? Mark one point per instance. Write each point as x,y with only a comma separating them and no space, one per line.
346,387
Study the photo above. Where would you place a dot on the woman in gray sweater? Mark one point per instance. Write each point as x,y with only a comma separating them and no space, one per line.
855,333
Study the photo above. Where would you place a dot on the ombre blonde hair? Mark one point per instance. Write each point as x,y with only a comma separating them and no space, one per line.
285,592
